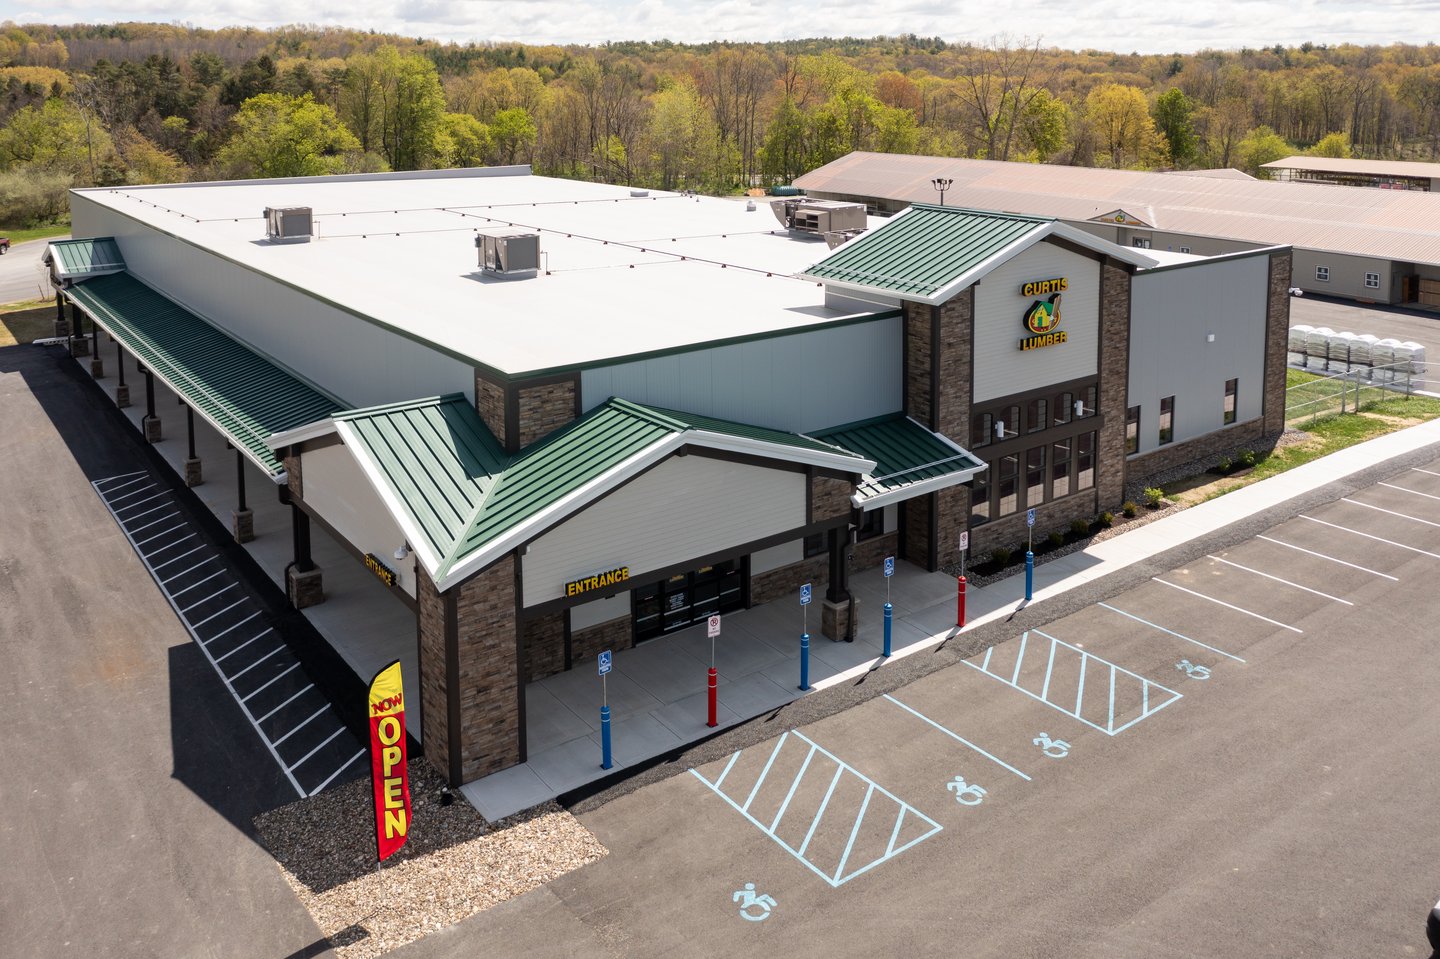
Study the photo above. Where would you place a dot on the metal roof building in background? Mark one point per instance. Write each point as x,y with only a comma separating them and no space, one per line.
1348,171
1206,214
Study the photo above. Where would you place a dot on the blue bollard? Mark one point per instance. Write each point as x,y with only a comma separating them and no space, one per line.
1029,574
804,662
605,761
889,612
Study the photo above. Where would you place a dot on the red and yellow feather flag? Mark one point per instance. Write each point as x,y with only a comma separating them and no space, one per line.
387,761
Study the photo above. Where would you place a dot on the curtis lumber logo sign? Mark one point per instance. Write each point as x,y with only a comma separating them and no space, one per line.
1043,316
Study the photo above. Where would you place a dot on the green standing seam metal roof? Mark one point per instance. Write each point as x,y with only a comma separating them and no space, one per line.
905,454
246,395
446,468
88,257
924,250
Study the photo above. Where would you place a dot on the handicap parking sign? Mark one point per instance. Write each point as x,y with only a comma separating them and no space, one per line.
1030,517
889,566
605,662
805,595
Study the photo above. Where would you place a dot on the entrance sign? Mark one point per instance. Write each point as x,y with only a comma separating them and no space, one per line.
389,779
712,626
599,581
805,595
382,572
604,662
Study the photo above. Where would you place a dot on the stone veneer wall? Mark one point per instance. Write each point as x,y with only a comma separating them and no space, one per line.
829,498
772,584
545,408
544,646
1114,384
294,479
1277,331
1010,531
867,554
918,327
915,513
489,677
490,404
589,643
434,714
1205,449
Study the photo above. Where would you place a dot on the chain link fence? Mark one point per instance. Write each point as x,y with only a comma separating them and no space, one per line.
1330,394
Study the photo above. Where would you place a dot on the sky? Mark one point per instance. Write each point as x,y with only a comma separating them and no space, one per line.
1157,26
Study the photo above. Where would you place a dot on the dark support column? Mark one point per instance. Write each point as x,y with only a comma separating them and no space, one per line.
97,363
193,474
62,322
151,423
122,392
838,581
303,581
242,521
840,608
79,345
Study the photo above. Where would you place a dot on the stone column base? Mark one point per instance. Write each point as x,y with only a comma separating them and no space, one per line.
193,476
80,346
304,589
122,395
835,617
152,429
62,327
97,368
242,525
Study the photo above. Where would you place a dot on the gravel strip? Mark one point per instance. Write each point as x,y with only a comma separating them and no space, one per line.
452,866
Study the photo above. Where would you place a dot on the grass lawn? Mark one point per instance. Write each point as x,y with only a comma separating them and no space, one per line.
26,321
22,234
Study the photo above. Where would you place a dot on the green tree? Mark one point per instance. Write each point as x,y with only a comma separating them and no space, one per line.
512,131
394,103
1260,146
1044,125
1120,118
1174,118
1333,145
682,136
464,140
56,137
282,136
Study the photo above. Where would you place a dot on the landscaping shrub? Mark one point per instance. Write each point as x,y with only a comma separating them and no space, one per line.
1129,509
1000,556
1055,539
1079,527
1107,519
1224,466
1154,496
1247,458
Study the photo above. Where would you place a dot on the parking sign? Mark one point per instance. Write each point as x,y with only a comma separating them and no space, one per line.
964,540
1030,517
712,626
805,595
889,566
604,662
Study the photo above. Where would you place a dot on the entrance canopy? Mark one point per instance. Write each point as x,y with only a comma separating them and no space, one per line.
239,392
463,502
909,459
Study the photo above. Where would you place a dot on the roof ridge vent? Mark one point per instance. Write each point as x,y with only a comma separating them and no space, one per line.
287,224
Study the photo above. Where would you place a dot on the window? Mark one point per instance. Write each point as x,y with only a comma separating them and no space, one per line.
1035,415
980,498
1372,281
1230,388
871,526
1184,249
1012,423
1322,273
1084,461
981,430
1060,469
1008,482
1092,401
1140,242
1064,408
1167,420
1035,476
1132,430
814,545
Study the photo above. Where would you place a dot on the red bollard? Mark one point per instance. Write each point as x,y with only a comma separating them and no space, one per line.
712,723
960,604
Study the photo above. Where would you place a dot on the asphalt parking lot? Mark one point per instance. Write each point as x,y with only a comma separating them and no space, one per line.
134,774
1224,757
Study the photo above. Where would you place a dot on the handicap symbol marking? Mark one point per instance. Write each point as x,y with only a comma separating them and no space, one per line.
805,595
752,907
1030,517
965,793
604,662
889,566
1054,748
1193,671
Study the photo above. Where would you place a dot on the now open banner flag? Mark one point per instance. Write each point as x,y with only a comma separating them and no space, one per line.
388,773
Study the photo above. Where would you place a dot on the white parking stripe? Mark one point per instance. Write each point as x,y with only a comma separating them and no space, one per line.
153,509
133,492
1221,602
221,659
173,542
307,722
155,523
1419,470
1377,539
180,557
1279,580
140,503
187,570
1363,569
208,598
284,704
220,613
1405,490
139,477
229,629
256,663
343,766
271,682
151,539
202,582
316,749
1413,519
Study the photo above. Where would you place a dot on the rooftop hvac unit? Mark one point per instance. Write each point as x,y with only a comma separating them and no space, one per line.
513,253
288,223
819,217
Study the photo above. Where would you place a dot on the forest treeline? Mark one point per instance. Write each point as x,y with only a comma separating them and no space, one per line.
152,103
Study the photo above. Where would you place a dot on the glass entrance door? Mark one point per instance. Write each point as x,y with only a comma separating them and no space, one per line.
688,598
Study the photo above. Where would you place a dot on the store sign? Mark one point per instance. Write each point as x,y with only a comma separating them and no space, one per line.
382,572
390,781
1043,316
599,581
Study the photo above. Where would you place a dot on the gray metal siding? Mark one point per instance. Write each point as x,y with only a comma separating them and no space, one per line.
802,382
1001,367
355,360
1172,313
1347,275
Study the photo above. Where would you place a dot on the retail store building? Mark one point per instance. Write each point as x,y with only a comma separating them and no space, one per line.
555,417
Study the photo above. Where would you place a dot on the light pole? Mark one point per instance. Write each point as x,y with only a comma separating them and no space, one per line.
942,183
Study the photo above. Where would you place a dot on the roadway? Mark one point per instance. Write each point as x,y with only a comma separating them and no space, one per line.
22,275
